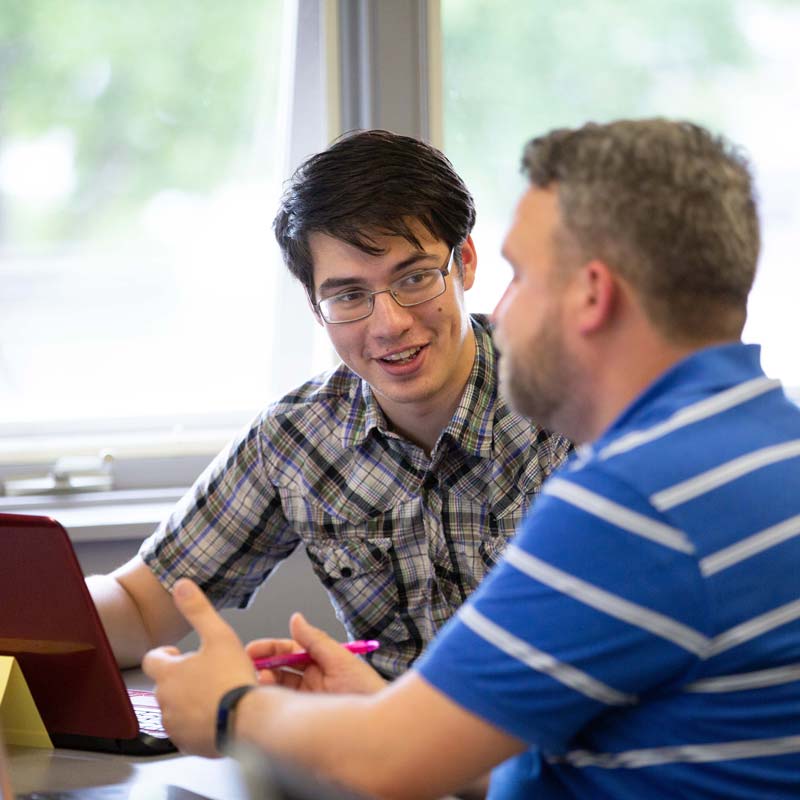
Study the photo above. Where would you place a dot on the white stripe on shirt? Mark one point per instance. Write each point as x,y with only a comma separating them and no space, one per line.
730,471
542,662
611,604
752,545
690,414
618,515
755,627
688,753
746,680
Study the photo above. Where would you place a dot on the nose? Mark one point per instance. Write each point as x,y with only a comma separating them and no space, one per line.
389,318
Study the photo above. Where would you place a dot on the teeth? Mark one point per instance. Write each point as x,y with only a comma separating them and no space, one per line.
404,356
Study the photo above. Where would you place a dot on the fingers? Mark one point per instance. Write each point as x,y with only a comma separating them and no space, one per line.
197,609
264,648
155,661
323,649
288,679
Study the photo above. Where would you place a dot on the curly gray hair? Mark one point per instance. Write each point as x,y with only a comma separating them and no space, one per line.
667,205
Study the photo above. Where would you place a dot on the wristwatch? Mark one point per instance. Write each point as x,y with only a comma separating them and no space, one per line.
226,713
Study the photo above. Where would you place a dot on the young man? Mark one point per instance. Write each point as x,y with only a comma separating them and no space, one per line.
641,637
401,472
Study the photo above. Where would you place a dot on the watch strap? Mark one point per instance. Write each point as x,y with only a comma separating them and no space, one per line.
225,709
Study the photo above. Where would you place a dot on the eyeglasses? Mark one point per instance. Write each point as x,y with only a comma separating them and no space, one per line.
410,290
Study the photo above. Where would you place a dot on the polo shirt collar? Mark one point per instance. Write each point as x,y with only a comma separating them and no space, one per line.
703,373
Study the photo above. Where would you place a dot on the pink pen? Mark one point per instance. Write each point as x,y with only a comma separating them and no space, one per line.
302,658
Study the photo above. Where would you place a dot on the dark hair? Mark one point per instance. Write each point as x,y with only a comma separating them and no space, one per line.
368,184
668,206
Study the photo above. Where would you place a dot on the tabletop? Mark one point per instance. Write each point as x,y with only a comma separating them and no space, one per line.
39,769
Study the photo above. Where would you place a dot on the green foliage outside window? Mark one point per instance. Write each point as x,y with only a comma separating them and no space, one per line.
516,69
151,95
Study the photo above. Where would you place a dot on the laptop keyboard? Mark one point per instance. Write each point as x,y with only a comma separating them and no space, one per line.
148,713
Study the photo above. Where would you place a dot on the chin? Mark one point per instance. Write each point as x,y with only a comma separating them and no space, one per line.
529,404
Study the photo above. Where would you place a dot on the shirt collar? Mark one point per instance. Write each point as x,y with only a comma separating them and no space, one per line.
472,425
703,373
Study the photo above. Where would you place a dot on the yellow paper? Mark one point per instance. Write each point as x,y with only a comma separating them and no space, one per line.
19,718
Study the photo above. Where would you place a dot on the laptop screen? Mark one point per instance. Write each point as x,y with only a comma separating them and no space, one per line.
49,623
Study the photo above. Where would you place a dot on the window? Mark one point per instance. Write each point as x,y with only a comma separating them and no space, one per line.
142,152
513,70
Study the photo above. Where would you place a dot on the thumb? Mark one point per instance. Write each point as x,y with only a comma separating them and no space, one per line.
198,611
322,648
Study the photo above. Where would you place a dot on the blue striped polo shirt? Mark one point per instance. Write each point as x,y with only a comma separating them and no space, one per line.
642,632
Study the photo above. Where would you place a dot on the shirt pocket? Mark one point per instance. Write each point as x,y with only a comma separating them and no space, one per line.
360,579
349,558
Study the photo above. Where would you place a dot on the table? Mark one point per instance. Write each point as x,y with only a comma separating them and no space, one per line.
36,769
39,770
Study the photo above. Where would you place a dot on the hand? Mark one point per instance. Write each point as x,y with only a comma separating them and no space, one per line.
189,686
334,669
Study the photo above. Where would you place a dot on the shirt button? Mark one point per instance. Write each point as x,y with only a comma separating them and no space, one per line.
346,572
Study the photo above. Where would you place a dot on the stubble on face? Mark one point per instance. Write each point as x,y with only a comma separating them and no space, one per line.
535,376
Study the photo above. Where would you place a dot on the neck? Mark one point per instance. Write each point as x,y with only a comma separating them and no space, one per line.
423,431
423,422
622,376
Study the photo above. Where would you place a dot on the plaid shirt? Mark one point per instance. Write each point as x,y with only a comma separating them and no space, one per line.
398,538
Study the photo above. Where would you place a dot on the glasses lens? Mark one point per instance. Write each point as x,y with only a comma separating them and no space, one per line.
419,287
410,290
346,307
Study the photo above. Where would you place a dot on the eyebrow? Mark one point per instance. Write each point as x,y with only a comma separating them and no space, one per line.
339,283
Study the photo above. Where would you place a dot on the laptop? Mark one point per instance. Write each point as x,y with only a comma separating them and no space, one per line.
49,623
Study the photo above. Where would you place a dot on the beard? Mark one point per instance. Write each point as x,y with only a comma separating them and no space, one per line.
538,376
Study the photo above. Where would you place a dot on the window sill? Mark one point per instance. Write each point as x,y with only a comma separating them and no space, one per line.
101,516
44,449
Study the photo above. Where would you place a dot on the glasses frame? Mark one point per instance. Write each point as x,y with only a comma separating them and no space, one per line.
444,270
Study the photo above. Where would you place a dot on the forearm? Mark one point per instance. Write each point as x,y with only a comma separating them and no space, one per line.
408,741
331,735
137,612
121,619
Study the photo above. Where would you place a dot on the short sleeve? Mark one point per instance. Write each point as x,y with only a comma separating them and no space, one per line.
595,603
229,531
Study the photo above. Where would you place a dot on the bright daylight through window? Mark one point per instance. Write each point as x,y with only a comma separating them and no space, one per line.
513,70
142,152
139,172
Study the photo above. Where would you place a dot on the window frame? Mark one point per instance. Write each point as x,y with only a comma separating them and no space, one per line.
346,65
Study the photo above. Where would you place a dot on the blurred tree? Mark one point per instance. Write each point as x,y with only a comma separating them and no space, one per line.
514,69
152,96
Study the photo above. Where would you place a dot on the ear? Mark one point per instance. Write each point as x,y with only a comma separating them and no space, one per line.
469,263
598,294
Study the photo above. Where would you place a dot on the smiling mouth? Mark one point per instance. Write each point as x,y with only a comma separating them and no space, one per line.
403,357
